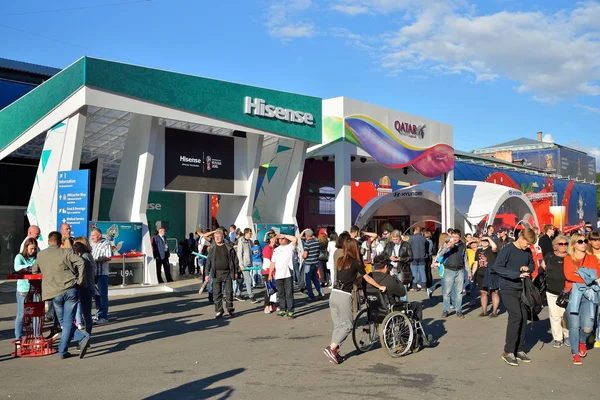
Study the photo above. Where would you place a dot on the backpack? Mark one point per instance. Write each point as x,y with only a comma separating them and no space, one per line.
532,300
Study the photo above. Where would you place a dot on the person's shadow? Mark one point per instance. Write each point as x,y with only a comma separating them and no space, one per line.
200,389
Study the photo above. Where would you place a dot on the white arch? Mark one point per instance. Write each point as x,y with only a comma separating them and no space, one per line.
515,194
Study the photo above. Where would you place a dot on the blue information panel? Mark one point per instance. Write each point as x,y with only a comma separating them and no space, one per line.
73,200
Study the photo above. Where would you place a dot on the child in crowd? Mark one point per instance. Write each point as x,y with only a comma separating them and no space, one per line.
257,262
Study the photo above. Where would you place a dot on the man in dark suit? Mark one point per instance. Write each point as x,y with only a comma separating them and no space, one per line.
160,250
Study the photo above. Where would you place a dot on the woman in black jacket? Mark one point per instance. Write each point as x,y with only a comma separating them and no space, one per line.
555,280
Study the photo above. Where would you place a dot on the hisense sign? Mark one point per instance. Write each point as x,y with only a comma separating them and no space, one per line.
260,108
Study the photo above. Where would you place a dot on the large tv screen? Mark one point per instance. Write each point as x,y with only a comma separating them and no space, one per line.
198,162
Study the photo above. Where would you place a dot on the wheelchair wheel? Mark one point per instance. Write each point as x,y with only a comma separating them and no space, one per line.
364,331
396,334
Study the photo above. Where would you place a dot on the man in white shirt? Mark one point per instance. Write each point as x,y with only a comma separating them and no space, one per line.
282,268
102,253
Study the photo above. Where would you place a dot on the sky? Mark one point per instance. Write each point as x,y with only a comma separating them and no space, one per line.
496,70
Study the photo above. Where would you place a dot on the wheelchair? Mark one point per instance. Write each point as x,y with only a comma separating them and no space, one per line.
393,324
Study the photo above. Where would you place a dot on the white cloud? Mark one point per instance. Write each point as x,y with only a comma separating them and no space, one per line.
548,138
282,21
550,56
591,109
590,150
350,9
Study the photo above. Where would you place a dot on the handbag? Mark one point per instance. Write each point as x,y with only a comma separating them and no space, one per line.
271,287
563,299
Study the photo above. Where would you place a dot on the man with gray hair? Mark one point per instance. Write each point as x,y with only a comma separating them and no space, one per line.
311,264
400,253
223,266
102,253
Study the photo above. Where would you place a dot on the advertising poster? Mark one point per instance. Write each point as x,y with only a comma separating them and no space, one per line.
198,162
124,237
577,165
72,201
544,160
286,229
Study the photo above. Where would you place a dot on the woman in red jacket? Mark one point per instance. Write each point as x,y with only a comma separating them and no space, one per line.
580,308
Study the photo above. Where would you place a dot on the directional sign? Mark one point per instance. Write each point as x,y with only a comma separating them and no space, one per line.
73,201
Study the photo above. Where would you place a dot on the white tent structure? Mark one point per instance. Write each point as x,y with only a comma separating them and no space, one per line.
473,202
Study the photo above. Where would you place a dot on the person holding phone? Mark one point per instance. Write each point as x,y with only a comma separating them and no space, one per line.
513,264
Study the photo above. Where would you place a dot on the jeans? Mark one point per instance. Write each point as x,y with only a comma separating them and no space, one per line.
285,294
418,273
311,276
598,325
248,281
452,288
19,318
65,306
84,309
517,320
101,299
581,324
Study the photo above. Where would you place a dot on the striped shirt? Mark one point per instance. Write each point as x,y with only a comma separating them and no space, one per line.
313,248
101,249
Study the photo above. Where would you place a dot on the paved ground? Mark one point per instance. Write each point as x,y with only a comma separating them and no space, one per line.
169,346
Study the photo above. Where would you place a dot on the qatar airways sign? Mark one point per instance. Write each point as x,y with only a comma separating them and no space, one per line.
260,108
410,130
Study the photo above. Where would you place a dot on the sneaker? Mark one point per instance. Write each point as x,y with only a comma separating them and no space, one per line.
65,355
80,327
444,314
452,308
281,314
219,315
331,354
429,293
510,359
521,355
238,298
267,310
101,321
231,314
54,334
254,300
460,315
290,315
597,344
582,350
482,314
84,345
557,344
576,359
567,342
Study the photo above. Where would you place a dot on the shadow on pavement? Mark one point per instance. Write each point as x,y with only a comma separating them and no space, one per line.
199,389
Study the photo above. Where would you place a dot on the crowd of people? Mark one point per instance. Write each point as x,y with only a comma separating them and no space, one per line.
75,274
488,267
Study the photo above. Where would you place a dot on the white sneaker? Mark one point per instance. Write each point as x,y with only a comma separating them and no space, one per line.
80,327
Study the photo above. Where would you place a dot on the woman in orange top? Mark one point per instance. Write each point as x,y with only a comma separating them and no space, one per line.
580,308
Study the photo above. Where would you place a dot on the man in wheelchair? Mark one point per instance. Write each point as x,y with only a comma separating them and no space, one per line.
397,322
395,290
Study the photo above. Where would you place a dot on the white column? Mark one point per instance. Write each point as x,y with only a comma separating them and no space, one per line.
192,212
295,174
448,201
97,189
61,152
343,198
133,182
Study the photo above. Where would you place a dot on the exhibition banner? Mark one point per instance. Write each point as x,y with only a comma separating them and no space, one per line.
124,237
198,162
72,201
262,229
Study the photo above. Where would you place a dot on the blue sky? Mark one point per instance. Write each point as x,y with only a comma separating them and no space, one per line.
496,70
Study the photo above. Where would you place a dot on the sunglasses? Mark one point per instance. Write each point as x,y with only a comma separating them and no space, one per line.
580,241
562,244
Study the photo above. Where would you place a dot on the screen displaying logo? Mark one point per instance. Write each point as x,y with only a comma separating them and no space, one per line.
198,162
410,130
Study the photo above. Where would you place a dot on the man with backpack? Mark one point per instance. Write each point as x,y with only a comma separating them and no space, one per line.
513,264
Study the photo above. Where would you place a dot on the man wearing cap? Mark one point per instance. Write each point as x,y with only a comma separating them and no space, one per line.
545,241
311,263
503,239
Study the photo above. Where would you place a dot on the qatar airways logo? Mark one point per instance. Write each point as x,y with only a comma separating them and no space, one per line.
410,130
260,108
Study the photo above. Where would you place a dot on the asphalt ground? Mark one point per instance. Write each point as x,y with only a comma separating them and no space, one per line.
170,346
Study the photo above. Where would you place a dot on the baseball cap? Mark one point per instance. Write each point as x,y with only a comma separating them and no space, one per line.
501,229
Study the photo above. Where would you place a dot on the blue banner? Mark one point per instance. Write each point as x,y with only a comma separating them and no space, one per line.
124,237
73,201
